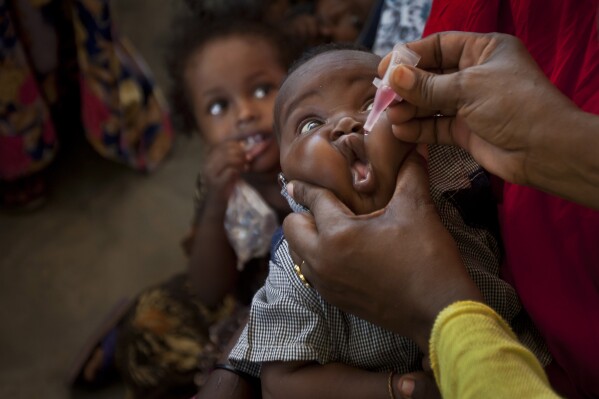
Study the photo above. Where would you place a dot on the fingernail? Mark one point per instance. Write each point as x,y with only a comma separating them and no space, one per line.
404,77
290,189
406,387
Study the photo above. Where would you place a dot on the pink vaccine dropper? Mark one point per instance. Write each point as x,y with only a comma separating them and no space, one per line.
401,54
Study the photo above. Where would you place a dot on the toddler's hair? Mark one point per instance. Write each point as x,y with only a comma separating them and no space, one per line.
192,33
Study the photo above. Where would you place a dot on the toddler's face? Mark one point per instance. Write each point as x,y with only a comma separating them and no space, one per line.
342,20
321,113
233,82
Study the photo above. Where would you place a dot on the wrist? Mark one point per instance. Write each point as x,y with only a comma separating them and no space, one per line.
210,205
454,291
392,379
565,163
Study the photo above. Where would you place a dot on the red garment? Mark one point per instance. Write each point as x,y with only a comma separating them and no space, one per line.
552,245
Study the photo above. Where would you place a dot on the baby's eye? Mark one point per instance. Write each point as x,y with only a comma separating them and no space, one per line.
263,90
217,107
368,105
309,126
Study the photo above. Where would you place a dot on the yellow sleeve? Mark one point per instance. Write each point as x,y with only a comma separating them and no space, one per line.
475,354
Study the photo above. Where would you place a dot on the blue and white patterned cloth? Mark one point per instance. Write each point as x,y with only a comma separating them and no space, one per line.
401,21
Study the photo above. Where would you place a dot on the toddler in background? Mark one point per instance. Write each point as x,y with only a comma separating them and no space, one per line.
226,75
297,343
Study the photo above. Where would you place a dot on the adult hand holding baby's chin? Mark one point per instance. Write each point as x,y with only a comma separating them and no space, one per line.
397,267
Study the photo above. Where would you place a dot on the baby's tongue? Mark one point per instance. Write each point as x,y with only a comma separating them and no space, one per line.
360,171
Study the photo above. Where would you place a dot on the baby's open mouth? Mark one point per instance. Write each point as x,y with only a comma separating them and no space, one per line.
360,171
352,147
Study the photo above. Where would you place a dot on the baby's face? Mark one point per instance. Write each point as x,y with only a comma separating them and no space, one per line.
322,108
233,82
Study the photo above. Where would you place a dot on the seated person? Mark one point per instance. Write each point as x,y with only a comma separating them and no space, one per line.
300,345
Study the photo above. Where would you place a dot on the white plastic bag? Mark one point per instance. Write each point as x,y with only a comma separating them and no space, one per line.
250,223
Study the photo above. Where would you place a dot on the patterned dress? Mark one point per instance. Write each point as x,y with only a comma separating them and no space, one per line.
63,71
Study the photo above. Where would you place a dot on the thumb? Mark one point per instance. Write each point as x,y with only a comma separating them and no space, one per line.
323,204
418,385
412,184
425,89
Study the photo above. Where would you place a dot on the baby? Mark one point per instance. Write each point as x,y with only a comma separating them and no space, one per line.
301,345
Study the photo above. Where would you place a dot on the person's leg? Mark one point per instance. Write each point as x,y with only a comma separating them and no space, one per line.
169,341
94,366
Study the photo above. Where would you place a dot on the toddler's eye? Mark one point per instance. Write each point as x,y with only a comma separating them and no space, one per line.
217,107
263,90
308,126
368,105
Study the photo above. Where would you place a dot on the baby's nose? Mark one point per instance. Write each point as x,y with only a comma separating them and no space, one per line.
347,125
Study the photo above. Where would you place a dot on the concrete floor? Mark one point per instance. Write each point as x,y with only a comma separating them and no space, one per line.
105,233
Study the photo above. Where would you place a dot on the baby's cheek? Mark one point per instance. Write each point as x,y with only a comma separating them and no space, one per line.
313,161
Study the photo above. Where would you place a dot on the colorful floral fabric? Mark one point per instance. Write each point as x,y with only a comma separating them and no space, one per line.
63,69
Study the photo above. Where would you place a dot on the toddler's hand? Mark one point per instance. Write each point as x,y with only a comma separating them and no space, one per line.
221,168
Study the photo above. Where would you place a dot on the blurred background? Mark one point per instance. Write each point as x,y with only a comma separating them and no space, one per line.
104,233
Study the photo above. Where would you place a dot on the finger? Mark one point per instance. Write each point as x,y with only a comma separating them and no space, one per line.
227,157
427,90
430,67
323,204
447,130
302,230
418,385
295,256
383,65
403,111
453,131
412,182
302,236
227,149
452,50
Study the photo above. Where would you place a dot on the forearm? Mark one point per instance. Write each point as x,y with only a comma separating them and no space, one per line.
226,385
292,380
474,354
212,264
567,163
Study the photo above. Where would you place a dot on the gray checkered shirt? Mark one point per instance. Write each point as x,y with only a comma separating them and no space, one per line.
290,322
